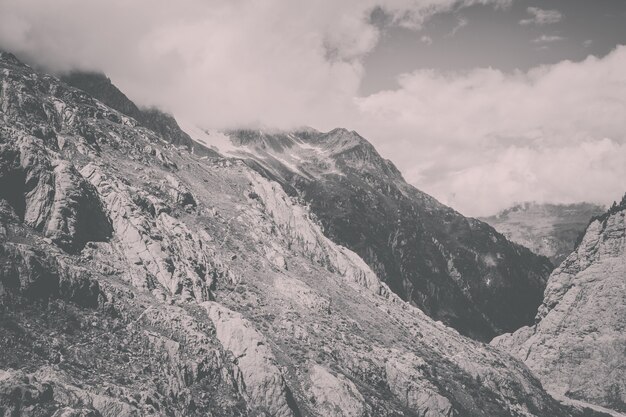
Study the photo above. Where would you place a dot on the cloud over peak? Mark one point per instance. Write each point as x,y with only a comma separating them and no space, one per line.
478,140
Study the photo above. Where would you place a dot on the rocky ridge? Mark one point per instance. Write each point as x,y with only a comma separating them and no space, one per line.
456,269
577,346
207,291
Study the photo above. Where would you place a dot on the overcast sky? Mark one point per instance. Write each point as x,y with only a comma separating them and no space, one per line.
481,103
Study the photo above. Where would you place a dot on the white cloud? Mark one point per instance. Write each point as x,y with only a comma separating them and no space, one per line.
427,40
221,62
548,39
461,22
484,139
478,140
541,17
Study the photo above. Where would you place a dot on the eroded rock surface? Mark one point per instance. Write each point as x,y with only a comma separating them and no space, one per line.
458,270
578,345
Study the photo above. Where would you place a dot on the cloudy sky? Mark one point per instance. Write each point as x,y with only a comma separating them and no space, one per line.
482,103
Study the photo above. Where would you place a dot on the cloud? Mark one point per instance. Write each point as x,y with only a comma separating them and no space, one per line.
479,140
548,39
427,40
483,139
219,62
461,22
541,17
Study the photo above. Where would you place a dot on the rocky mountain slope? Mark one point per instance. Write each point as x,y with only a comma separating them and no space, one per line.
100,87
138,278
551,230
456,269
578,344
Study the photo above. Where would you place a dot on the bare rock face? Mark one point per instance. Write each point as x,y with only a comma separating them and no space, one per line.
417,393
335,396
261,378
577,347
51,196
458,270
239,306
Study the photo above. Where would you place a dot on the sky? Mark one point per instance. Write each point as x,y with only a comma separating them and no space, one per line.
480,103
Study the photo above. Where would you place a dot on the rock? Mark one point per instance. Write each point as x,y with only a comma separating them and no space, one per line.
52,197
180,193
406,380
577,345
77,214
261,379
458,270
180,260
300,231
335,396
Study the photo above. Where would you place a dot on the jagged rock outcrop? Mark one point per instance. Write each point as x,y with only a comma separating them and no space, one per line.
551,230
261,379
335,396
192,312
578,345
456,269
50,195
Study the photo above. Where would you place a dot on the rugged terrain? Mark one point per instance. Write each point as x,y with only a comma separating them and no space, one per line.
578,345
100,87
551,230
138,278
456,269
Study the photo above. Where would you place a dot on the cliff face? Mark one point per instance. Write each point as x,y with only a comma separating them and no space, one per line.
551,230
578,345
456,269
137,278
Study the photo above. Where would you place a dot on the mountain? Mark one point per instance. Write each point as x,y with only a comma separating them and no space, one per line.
456,269
550,230
578,345
138,278
165,125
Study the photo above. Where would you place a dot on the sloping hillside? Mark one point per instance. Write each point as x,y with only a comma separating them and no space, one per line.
137,278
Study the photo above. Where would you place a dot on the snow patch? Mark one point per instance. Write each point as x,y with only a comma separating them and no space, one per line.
211,138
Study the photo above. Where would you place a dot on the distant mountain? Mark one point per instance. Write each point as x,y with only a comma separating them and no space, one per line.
456,269
550,230
100,86
578,345
138,278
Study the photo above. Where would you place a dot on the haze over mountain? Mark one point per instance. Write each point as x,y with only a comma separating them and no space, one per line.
551,230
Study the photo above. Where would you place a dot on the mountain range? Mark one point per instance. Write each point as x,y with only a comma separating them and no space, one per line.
551,230
142,274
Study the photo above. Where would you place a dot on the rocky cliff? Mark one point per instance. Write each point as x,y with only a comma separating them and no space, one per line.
551,230
138,278
578,345
456,269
